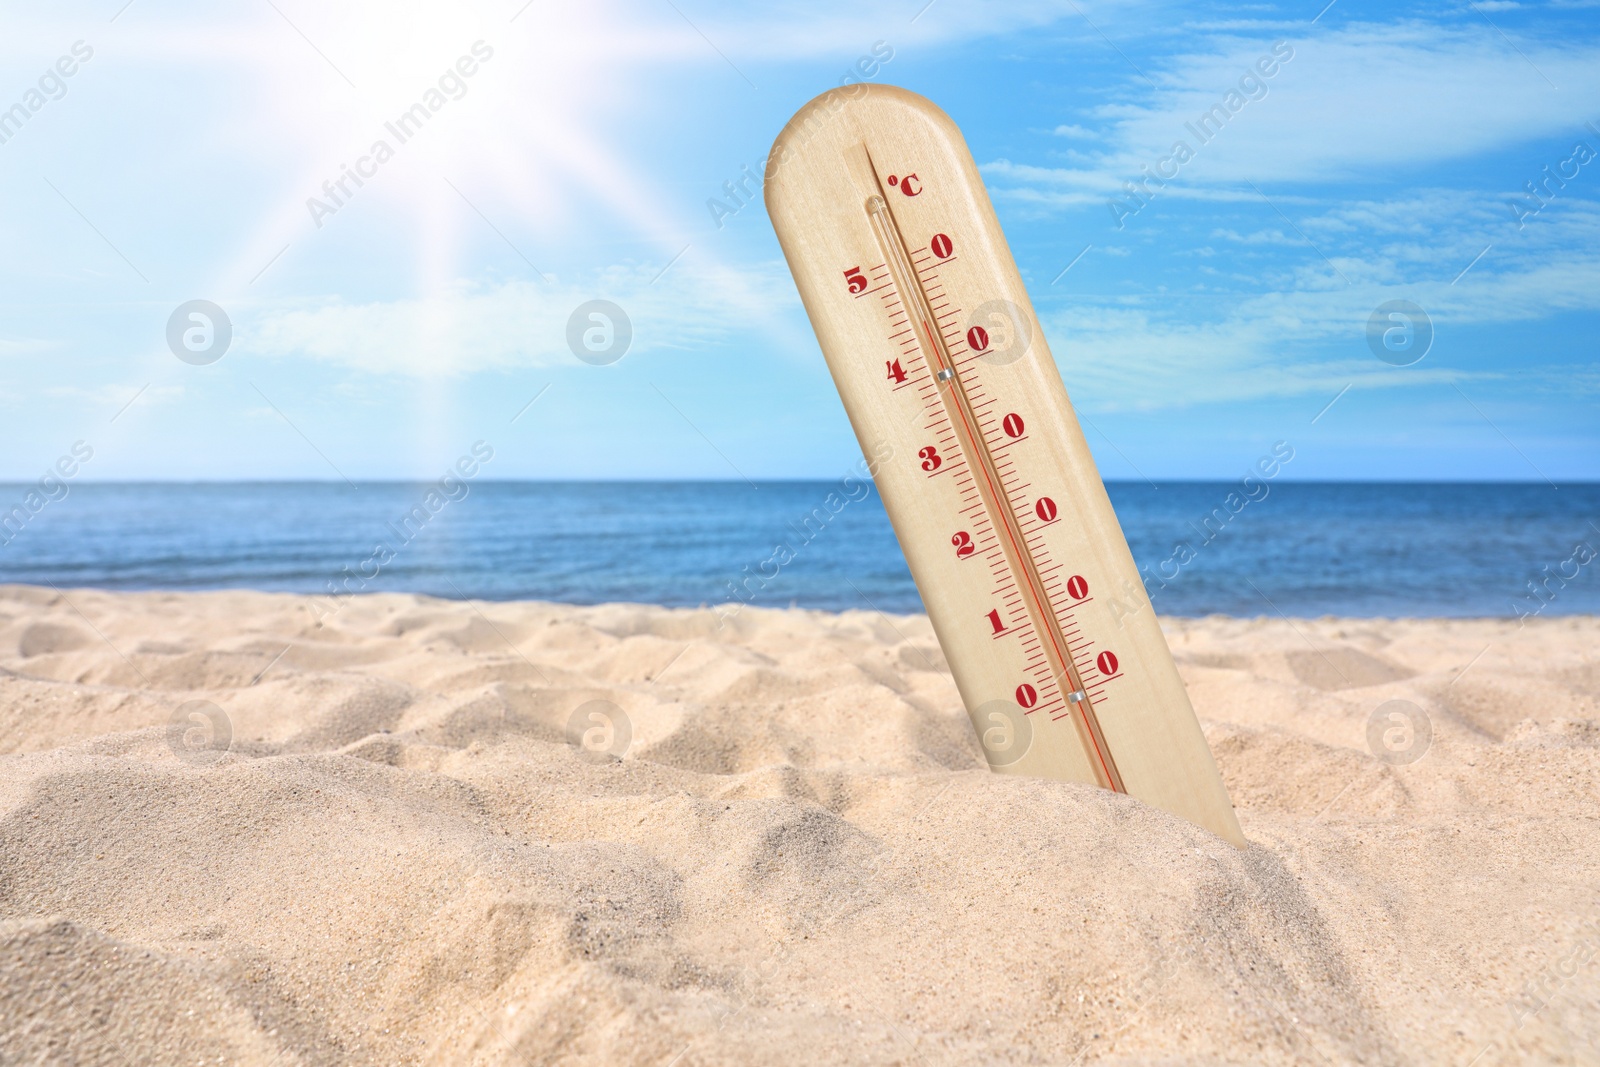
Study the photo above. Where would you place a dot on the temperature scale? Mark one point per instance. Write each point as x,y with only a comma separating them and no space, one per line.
978,456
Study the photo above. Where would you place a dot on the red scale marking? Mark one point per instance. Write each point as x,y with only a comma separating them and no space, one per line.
988,542
999,495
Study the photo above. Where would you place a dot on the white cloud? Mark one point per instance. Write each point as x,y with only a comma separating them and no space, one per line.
369,39
801,30
1117,359
465,328
26,346
1260,237
1279,344
1361,100
1310,333
116,395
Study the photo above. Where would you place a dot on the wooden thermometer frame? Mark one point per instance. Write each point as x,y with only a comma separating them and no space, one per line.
948,381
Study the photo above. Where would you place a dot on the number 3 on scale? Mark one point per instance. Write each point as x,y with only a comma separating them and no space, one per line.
931,460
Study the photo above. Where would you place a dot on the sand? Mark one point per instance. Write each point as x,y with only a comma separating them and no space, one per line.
388,851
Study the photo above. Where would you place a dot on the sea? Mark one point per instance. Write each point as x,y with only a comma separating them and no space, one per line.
1302,549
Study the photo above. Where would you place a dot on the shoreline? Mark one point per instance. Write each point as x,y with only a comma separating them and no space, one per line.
6,589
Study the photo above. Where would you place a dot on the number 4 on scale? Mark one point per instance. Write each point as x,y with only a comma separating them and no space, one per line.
896,374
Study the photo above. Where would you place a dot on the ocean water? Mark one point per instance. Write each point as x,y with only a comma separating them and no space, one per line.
1305,549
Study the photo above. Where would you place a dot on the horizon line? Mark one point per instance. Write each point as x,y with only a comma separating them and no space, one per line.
793,480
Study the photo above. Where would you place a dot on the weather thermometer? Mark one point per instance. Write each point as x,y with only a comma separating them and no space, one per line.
982,467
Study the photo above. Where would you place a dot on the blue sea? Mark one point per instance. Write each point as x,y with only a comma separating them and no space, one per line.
1306,549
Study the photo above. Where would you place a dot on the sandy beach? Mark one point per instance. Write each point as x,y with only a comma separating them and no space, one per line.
403,837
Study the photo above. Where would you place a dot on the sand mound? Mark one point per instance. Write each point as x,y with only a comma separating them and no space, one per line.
405,835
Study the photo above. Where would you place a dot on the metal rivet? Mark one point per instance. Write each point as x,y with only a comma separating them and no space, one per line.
945,375
1077,696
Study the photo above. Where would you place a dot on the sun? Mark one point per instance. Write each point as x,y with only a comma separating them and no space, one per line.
455,120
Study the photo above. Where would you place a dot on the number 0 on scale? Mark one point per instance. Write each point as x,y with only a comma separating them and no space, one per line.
983,469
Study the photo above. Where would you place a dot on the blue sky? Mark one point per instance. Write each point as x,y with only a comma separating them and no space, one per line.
1379,162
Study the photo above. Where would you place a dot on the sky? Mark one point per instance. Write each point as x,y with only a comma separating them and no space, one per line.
1383,170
